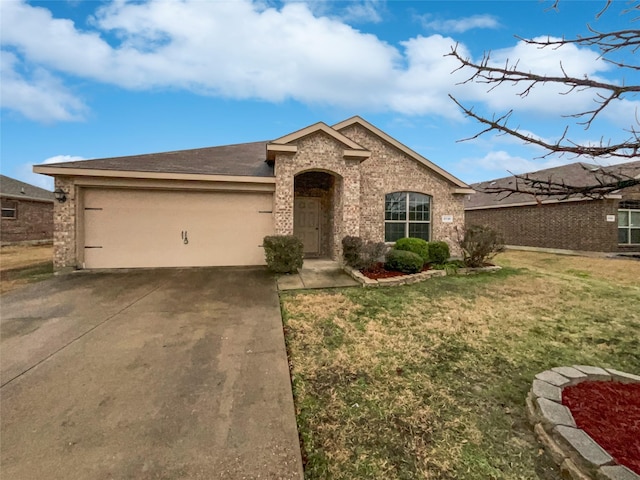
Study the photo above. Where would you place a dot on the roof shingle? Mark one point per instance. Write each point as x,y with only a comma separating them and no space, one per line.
244,159
17,189
575,174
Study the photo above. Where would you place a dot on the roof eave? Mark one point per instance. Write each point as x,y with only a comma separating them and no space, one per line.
87,172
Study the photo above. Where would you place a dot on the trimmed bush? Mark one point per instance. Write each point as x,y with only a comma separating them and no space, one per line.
352,250
372,253
284,253
415,245
438,252
360,255
479,244
404,261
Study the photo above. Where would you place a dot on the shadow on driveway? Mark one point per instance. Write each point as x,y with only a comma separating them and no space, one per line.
147,374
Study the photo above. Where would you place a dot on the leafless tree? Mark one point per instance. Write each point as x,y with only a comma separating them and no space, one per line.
615,48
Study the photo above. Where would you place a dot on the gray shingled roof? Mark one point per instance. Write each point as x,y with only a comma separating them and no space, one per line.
244,159
575,174
10,187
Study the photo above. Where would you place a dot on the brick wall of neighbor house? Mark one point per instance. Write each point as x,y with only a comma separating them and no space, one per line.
569,225
33,222
389,170
64,233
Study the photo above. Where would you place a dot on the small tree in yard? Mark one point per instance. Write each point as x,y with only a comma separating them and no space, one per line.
479,244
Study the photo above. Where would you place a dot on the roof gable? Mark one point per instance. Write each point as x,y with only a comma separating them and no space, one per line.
285,144
403,148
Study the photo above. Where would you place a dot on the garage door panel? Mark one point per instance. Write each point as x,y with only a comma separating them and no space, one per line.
147,228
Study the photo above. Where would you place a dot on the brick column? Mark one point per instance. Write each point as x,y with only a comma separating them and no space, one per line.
64,226
283,200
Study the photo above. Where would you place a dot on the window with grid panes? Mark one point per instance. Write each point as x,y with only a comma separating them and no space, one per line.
407,214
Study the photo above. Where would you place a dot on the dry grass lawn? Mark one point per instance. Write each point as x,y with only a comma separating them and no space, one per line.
429,380
20,265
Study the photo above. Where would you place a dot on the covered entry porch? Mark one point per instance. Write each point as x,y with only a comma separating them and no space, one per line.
317,213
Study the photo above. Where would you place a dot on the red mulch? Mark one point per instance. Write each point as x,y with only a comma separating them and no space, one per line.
378,271
610,413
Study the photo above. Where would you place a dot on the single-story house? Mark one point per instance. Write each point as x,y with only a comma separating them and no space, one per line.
27,212
610,224
213,206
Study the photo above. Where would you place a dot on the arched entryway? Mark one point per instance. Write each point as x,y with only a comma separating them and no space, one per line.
317,201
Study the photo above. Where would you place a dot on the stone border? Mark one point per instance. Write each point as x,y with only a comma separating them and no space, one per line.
413,278
578,455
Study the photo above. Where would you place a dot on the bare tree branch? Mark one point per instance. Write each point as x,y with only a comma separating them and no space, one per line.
605,93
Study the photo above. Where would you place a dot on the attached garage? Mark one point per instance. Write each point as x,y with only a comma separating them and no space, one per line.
165,228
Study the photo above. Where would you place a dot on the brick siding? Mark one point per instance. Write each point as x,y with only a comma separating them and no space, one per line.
33,222
569,226
360,187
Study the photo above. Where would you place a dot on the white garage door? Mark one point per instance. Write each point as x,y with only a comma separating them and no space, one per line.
147,228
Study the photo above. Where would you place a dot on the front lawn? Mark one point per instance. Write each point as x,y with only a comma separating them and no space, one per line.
429,380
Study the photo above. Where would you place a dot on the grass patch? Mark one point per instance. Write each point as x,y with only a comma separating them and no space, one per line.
429,380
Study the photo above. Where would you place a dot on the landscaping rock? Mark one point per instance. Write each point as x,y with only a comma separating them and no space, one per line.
546,390
553,378
623,376
569,372
554,413
617,472
595,373
584,445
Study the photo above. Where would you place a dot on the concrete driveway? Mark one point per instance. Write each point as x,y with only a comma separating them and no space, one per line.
150,374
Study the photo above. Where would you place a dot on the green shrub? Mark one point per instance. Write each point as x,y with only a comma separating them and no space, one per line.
438,252
360,255
415,245
479,244
352,250
284,253
372,253
404,261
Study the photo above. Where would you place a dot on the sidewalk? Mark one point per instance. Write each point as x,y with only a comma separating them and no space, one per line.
317,273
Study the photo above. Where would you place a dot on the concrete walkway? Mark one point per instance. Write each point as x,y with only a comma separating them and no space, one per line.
317,273
147,374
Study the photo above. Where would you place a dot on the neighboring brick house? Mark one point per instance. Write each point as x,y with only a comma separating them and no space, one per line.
610,224
213,206
27,212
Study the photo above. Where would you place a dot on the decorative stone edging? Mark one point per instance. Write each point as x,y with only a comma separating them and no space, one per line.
578,455
413,278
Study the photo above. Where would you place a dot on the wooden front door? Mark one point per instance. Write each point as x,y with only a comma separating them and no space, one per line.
306,223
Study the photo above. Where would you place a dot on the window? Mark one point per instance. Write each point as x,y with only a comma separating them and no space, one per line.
629,223
9,209
407,214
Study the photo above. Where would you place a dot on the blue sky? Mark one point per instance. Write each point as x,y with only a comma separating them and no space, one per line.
93,79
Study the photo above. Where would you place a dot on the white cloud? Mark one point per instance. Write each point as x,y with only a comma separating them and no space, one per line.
246,50
25,172
62,158
500,163
459,25
366,11
41,97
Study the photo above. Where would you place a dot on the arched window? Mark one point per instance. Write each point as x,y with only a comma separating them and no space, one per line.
407,214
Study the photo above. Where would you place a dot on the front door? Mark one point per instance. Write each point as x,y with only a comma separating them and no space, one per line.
306,223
